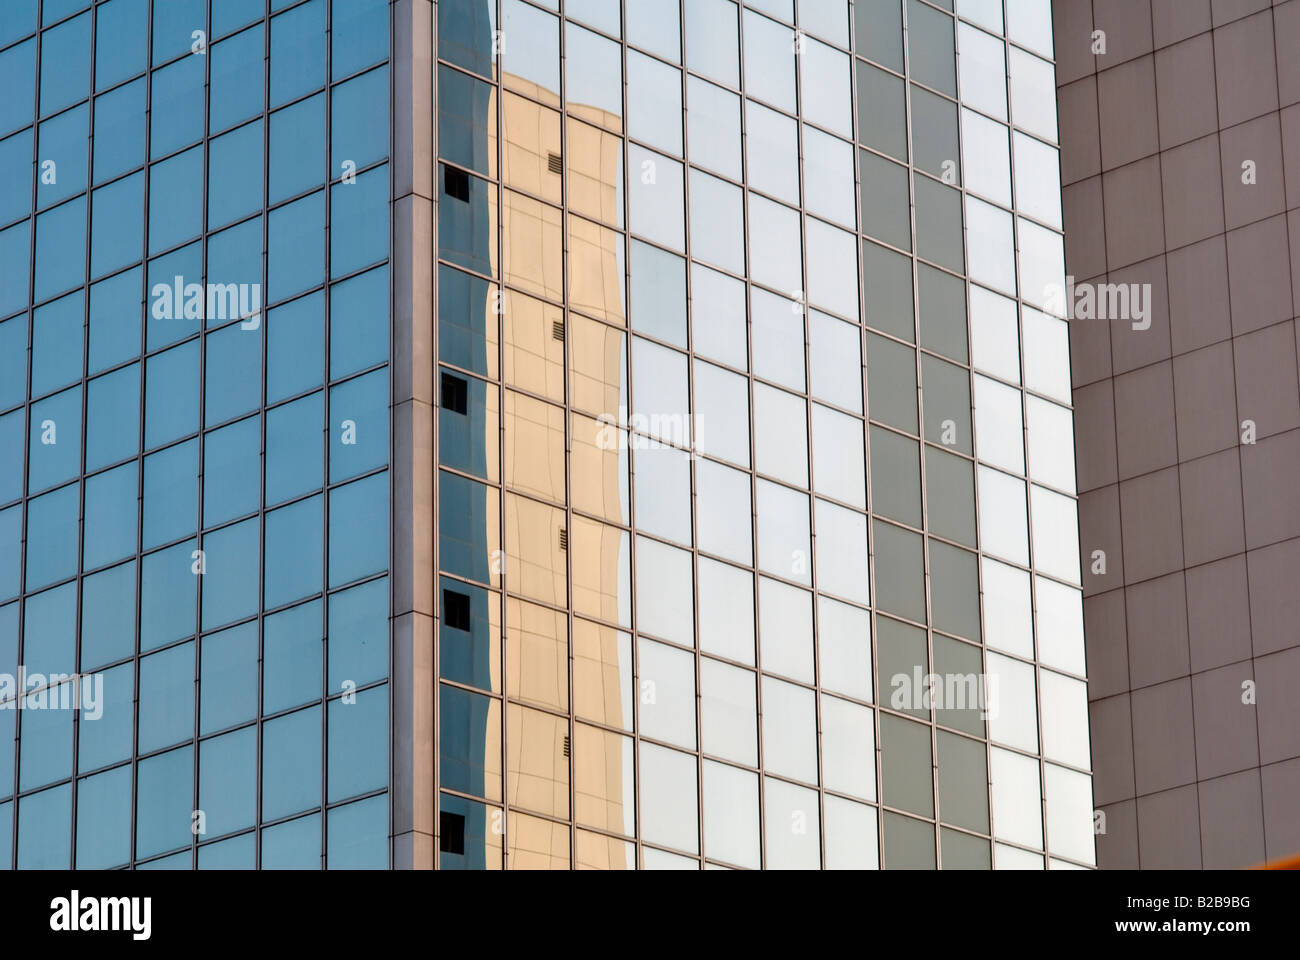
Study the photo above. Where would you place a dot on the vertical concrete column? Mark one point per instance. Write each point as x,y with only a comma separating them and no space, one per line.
412,417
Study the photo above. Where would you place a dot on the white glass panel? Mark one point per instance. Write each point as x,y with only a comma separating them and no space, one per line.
999,426
1047,355
990,245
1051,443
731,815
670,814
1017,798
1065,719
995,335
1060,626
1008,623
1004,530
791,826
986,157
982,70
789,731
1056,534
1069,814
1013,708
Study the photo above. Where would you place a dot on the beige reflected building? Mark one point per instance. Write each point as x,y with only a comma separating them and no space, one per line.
568,788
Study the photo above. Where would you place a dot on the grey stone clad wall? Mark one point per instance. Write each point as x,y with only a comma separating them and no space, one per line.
1181,170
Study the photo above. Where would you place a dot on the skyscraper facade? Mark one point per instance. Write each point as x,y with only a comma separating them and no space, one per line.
562,434
1180,128
194,390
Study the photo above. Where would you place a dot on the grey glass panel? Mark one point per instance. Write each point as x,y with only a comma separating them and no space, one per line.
896,476
930,45
900,574
939,224
886,201
878,29
905,765
954,591
942,302
947,404
959,667
961,851
888,291
658,295
934,136
963,783
891,383
950,489
882,112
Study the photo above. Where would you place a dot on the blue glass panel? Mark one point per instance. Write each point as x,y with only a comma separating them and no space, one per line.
466,656
294,551
45,830
237,853
52,531
238,65
15,176
462,518
45,747
357,835
57,337
291,668
359,132
121,41
50,631
292,846
111,503
104,820
291,760
234,174
18,79
53,11
166,697
113,417
230,585
117,227
228,782
359,31
171,398
172,314
164,801
54,438
294,445
115,309
17,19
59,231
226,16
295,347
358,744
463,741
235,256
175,199
359,322
8,664
466,29
173,24
61,156
297,52
297,148
177,861
167,596
11,551
358,635
358,425
65,64
228,683
171,482
234,373
108,616
296,257
106,738
119,130
359,222
13,361
12,436
358,530
176,107
231,471
15,252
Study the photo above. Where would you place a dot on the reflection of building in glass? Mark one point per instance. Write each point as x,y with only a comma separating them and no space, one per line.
658,433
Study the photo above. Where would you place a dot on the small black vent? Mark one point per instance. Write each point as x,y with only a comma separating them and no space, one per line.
455,610
455,183
566,744
455,394
451,833
554,163
564,539
557,330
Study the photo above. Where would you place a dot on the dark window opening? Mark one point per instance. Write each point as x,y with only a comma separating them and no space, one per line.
455,394
455,610
451,833
455,183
